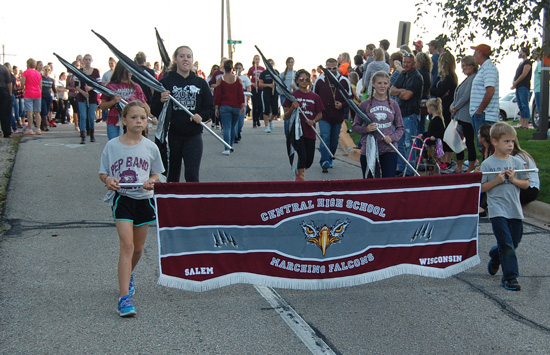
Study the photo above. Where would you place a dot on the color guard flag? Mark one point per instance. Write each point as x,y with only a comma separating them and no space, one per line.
317,234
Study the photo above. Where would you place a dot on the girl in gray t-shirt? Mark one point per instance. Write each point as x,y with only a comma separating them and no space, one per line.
131,158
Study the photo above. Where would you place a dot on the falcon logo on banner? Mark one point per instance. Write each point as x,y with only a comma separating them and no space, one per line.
316,235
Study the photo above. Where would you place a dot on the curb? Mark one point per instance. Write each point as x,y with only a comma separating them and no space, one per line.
536,212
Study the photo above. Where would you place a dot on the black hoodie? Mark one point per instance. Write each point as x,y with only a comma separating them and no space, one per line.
194,93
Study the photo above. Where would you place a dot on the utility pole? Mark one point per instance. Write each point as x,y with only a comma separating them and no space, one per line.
4,54
230,47
221,54
542,132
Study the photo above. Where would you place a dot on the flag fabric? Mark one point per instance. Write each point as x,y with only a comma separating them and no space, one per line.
162,50
145,77
318,234
86,78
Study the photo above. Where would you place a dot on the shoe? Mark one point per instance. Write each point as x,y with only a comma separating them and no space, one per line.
330,165
226,152
29,132
15,131
212,125
493,267
217,126
271,125
38,132
267,130
325,165
131,288
511,285
126,306
296,175
77,129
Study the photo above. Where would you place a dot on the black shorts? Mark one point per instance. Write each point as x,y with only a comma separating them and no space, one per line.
139,212
270,102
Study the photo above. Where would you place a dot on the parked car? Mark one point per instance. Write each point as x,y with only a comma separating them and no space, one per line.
508,107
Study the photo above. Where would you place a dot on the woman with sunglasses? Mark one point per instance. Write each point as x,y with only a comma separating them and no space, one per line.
48,87
311,112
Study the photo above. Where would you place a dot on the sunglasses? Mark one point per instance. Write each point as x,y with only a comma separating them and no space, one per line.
332,68
407,54
304,79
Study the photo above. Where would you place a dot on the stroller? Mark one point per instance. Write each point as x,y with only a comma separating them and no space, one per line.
429,155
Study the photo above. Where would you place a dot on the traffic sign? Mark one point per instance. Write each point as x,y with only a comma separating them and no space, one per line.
230,41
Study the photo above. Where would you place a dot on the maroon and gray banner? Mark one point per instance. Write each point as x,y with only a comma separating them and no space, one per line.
315,235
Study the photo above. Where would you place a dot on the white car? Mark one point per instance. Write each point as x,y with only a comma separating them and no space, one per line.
508,107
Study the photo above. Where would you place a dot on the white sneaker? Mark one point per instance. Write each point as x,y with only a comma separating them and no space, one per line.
226,152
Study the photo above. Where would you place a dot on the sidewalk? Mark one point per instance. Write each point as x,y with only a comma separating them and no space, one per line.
536,212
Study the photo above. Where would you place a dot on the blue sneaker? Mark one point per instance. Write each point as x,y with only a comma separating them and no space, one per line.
126,306
511,285
330,164
131,289
325,165
271,125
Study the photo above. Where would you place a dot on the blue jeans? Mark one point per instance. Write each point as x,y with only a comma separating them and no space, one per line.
86,113
388,163
46,105
230,119
478,121
240,125
522,96
330,133
405,143
113,131
508,233
537,101
14,112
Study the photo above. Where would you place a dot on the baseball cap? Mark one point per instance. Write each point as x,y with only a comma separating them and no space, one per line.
418,43
483,48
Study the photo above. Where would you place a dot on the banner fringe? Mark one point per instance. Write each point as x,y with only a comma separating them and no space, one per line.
317,284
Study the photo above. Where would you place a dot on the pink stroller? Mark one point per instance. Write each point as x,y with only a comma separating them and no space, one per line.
431,161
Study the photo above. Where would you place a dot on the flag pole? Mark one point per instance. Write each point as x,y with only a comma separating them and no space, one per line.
151,82
535,170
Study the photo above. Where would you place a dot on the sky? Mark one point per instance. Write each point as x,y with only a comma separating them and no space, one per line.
308,30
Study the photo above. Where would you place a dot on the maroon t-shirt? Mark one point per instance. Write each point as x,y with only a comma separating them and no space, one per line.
254,75
311,105
93,95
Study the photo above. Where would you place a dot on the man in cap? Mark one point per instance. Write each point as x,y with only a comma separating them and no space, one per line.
417,47
484,94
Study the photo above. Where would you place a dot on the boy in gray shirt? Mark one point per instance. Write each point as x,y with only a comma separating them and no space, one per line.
505,210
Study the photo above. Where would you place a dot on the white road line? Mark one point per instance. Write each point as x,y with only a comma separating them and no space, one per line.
307,335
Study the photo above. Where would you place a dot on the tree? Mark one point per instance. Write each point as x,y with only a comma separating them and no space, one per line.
510,23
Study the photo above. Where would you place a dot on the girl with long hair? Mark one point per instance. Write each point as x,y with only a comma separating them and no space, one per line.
385,115
121,83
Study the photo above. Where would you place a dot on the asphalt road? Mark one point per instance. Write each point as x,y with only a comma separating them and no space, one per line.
58,283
